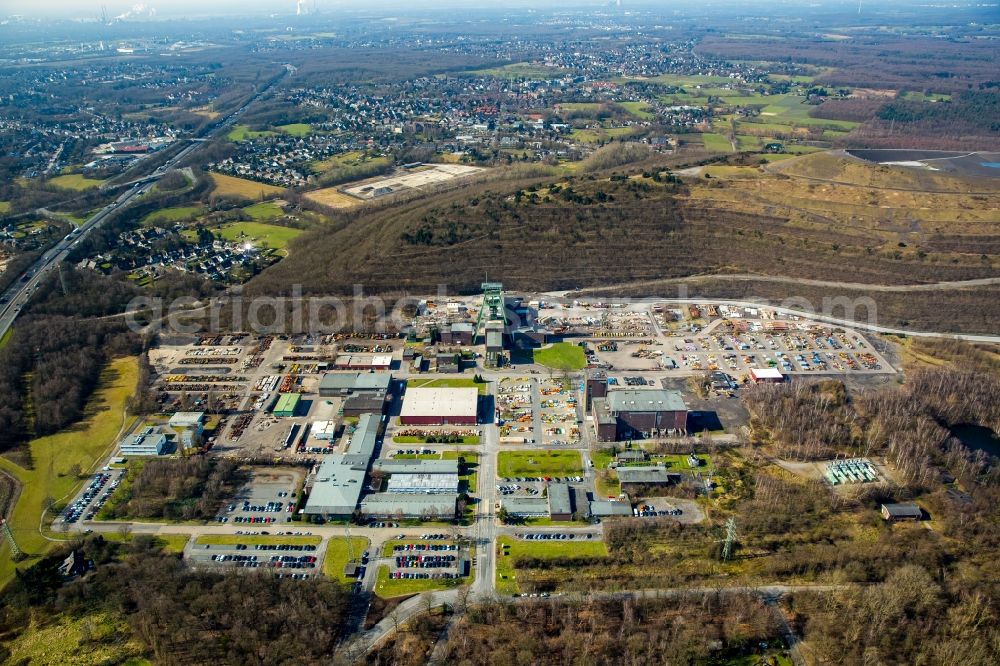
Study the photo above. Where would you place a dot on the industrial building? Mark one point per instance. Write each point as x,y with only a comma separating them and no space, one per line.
766,376
324,431
334,385
363,362
416,466
189,427
609,509
560,502
851,470
337,486
525,507
438,506
287,405
365,436
440,406
150,441
423,483
459,333
639,478
340,479
639,413
356,405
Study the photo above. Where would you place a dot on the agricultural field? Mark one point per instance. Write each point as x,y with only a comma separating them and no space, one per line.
240,187
333,197
259,234
520,70
74,181
560,356
510,549
175,214
353,158
539,463
54,455
338,554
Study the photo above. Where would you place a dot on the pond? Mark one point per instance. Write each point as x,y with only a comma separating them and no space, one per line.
977,438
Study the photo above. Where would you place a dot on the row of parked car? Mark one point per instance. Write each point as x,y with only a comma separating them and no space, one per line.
414,575
424,546
424,561
97,485
554,536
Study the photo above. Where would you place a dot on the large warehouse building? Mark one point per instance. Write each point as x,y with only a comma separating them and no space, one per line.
639,413
440,406
438,506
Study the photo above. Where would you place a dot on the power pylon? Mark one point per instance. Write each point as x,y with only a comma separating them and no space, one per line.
727,546
15,550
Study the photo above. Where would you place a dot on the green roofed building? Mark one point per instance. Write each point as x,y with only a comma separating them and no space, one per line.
287,404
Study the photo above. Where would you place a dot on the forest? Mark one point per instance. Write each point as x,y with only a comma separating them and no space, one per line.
56,352
175,489
181,616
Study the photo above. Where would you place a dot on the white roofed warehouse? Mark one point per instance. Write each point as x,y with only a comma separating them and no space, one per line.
440,406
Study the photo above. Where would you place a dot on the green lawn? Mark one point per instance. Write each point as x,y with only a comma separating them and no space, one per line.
561,356
338,555
509,549
599,135
456,382
521,70
545,462
259,233
175,214
296,129
387,588
4,207
83,444
254,539
172,543
267,211
243,132
716,143
74,181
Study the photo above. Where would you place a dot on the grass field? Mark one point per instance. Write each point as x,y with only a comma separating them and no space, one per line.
637,109
82,444
259,234
296,129
93,639
539,463
240,187
4,207
172,543
338,554
716,143
175,214
599,135
264,212
74,181
387,588
509,549
456,382
561,356
243,132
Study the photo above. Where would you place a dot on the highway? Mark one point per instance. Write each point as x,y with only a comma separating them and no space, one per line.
19,293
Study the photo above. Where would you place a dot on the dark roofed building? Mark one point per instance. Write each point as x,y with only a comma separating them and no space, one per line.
356,405
639,413
560,502
894,512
